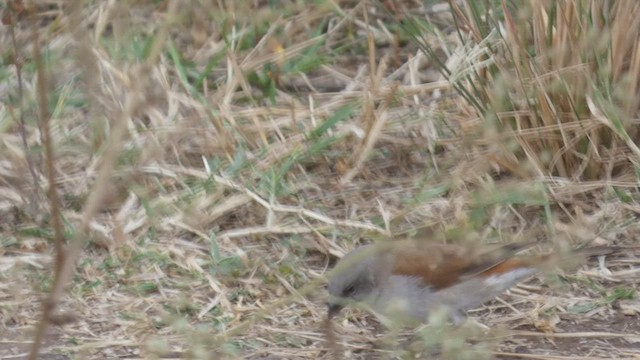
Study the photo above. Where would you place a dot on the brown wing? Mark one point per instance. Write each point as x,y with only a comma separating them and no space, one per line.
441,266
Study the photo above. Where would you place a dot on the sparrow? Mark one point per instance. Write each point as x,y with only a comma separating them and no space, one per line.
407,280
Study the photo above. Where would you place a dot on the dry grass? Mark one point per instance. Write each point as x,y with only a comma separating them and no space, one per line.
210,160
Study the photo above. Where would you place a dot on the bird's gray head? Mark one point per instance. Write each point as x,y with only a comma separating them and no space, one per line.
353,278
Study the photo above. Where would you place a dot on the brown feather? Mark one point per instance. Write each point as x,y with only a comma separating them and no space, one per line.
446,265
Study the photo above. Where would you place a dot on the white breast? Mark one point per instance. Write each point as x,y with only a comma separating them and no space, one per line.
405,299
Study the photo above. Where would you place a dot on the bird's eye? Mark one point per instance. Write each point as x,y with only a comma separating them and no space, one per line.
349,290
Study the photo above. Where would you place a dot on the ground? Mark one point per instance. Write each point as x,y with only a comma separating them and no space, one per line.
213,161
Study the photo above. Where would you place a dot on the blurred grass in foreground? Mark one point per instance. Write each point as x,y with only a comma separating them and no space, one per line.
212,159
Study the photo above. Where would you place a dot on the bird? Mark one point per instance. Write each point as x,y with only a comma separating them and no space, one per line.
405,281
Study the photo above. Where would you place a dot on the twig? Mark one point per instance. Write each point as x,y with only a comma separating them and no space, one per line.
10,17
43,118
134,103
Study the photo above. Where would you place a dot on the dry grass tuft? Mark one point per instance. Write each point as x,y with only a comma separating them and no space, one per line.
553,85
213,159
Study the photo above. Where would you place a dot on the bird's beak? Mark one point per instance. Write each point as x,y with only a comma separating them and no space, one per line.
333,309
